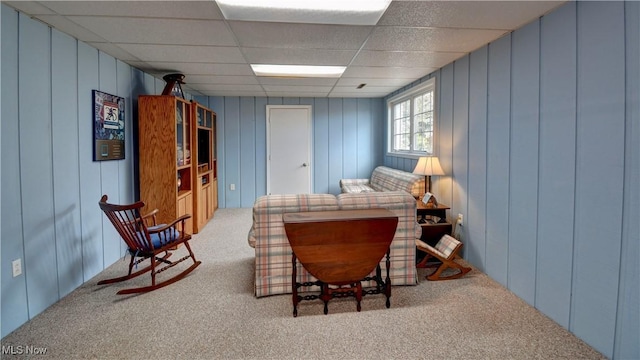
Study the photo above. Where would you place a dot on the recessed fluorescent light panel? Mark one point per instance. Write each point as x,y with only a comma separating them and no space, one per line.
345,12
298,70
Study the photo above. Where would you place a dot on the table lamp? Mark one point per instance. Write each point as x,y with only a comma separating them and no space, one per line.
427,166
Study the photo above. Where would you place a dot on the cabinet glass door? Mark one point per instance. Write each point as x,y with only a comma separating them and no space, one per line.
187,137
183,134
201,116
180,133
208,120
215,140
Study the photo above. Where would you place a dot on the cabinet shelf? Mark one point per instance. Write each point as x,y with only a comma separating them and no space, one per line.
183,193
203,168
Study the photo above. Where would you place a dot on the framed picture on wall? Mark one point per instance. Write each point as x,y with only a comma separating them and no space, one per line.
108,126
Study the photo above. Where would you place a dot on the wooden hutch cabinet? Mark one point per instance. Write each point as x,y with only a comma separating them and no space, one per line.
171,152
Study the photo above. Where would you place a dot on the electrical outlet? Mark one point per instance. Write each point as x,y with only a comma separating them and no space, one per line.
460,219
232,187
17,267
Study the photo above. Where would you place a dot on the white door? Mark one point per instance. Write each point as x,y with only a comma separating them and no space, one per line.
289,149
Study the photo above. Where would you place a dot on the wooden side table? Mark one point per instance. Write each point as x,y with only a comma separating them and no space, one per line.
432,229
340,248
423,211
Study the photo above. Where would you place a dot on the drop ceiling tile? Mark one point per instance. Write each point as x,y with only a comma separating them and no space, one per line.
67,26
30,7
227,87
202,68
114,51
139,64
159,9
191,90
298,56
386,72
395,38
303,36
340,94
366,90
296,89
235,93
405,58
355,81
506,15
157,31
185,53
223,79
283,94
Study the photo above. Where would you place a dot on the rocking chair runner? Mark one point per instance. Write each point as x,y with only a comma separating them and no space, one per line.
147,240
446,251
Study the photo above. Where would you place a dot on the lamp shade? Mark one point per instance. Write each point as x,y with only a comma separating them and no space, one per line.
428,165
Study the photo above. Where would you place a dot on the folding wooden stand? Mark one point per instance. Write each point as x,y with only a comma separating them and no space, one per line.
445,251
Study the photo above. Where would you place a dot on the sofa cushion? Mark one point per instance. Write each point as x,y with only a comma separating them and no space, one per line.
358,188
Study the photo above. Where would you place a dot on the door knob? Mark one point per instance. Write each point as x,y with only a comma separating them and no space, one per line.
304,165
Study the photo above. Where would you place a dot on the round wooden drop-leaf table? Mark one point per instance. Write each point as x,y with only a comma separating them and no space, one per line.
340,248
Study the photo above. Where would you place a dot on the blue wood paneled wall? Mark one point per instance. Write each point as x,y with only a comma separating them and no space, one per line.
539,134
50,184
347,143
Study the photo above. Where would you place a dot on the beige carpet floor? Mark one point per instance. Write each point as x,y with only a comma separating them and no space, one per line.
213,314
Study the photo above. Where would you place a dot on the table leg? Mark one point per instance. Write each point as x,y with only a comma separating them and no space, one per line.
294,286
387,283
325,295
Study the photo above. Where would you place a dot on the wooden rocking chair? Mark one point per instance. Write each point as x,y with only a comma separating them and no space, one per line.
446,251
147,240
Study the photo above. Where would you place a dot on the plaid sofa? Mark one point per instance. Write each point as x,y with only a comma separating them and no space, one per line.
385,179
273,253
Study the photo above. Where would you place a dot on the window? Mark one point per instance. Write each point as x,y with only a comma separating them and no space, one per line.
411,120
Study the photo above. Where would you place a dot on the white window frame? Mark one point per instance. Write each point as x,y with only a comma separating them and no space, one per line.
428,85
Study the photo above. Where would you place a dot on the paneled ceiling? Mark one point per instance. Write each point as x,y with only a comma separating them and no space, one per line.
411,40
